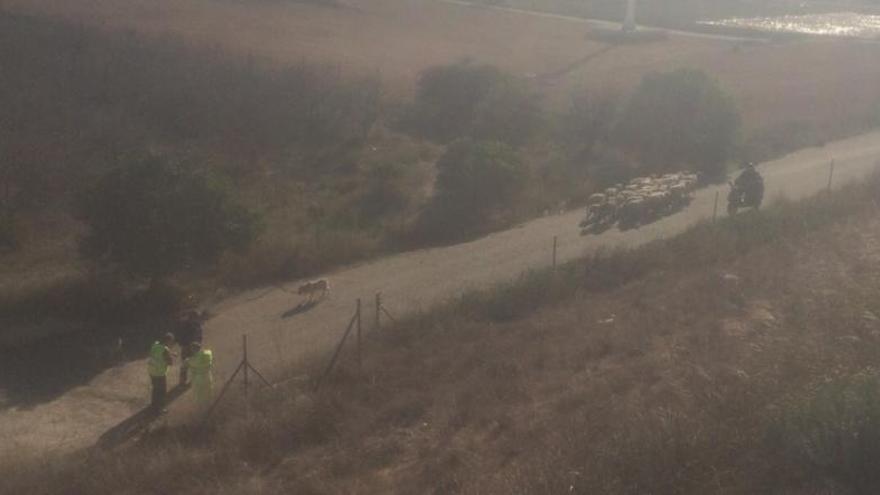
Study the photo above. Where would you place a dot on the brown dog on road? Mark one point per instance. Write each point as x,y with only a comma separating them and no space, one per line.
313,287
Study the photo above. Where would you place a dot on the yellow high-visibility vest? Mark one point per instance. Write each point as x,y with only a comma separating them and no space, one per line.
201,362
157,365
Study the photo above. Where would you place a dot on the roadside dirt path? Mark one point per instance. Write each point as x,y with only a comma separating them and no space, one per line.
408,282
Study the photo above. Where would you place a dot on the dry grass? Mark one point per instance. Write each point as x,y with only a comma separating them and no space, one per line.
829,86
691,374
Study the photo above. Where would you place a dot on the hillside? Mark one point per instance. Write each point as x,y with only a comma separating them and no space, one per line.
815,88
125,63
735,358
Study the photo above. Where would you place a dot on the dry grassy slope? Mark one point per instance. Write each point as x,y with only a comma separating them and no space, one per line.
665,385
826,83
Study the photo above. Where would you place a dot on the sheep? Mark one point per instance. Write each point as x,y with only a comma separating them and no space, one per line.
641,200
596,199
314,286
680,188
631,212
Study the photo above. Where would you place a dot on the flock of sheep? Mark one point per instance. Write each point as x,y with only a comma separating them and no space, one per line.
641,201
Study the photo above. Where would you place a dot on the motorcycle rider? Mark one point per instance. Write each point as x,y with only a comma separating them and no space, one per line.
750,186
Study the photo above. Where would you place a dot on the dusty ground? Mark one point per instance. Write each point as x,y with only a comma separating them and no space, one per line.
408,282
833,85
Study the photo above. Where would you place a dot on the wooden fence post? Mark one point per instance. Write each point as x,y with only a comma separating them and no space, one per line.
555,243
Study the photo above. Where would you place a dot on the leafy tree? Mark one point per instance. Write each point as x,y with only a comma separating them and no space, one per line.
386,191
681,118
469,100
587,123
153,219
447,97
474,180
509,113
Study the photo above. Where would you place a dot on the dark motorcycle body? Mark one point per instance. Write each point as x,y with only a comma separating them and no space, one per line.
740,197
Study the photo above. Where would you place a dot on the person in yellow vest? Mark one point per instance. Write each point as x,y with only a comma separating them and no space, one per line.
157,365
201,371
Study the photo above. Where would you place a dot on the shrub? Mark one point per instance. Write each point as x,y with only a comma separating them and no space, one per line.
681,117
386,191
469,100
587,122
474,180
447,97
509,113
835,432
154,219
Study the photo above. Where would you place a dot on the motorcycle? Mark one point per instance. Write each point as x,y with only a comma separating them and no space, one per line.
740,197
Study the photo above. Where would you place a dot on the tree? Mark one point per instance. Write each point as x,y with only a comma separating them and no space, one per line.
474,180
386,191
447,97
587,123
510,113
681,118
470,100
153,219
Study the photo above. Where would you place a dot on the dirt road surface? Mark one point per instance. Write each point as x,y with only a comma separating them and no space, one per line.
408,282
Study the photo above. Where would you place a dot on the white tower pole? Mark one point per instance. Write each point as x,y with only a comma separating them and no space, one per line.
629,23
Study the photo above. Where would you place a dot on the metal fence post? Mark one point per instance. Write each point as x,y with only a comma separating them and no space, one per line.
245,360
715,208
378,310
359,334
830,175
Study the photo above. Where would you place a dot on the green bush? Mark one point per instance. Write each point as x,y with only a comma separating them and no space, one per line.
386,191
474,181
587,123
470,100
834,432
154,219
681,118
509,113
447,97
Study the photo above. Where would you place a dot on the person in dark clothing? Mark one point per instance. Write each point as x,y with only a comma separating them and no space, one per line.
189,331
750,184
